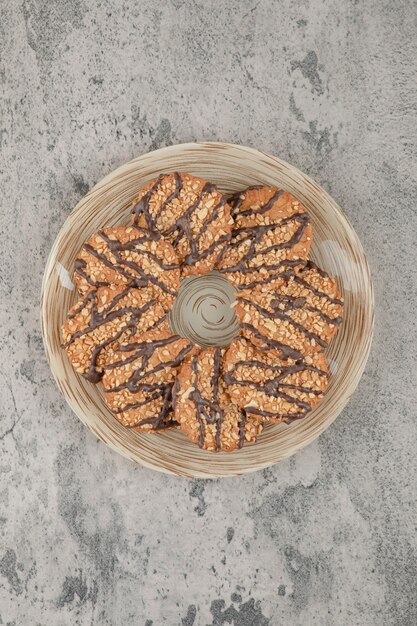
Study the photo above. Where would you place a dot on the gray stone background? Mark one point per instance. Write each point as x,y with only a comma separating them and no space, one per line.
326,538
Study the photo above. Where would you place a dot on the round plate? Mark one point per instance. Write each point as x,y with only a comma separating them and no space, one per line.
336,249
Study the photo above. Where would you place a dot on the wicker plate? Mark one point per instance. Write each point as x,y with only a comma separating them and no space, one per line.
336,248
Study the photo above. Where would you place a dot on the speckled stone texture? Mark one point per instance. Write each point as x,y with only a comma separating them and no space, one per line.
326,538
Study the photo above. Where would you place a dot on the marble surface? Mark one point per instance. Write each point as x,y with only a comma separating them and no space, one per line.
326,538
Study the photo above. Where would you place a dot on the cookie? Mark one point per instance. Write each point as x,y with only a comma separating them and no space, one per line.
203,407
102,320
156,425
189,213
126,255
274,389
272,234
139,377
296,316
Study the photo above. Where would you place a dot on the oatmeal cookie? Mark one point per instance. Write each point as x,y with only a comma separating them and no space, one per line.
276,390
139,377
272,234
102,320
126,255
298,315
204,409
189,213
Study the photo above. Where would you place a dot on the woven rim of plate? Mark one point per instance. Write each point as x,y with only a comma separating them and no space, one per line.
337,249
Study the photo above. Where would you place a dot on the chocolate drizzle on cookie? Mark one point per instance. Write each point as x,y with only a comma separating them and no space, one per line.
142,207
320,294
277,314
207,411
80,268
304,313
143,350
140,353
116,247
286,351
109,314
182,227
210,411
261,276
172,196
275,386
237,200
160,420
289,303
254,235
242,424
132,271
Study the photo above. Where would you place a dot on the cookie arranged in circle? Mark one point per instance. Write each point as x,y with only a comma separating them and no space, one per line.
272,234
276,390
296,316
287,308
102,320
127,255
188,212
204,409
139,377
